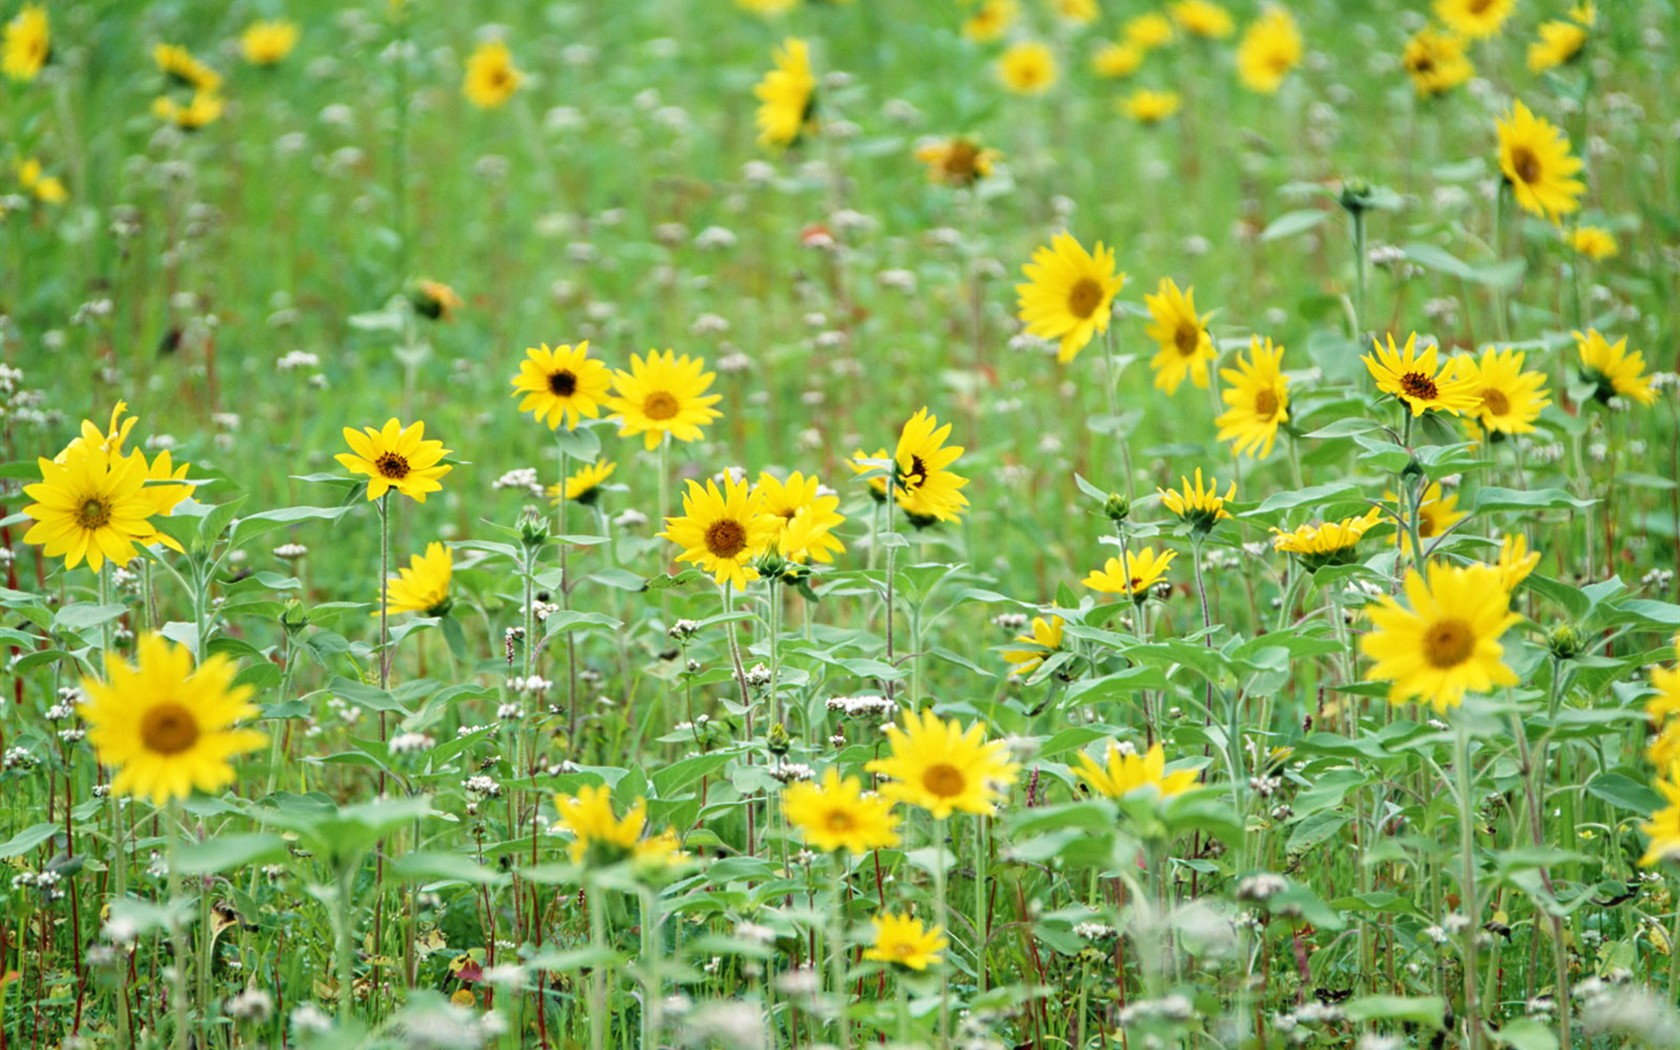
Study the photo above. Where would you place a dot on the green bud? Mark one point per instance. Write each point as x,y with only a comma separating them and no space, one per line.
1565,642
777,740
293,616
533,528
1118,508
1356,196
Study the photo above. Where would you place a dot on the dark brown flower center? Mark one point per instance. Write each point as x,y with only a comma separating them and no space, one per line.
660,405
391,465
168,729
726,538
1084,297
1494,402
562,383
916,476
95,513
1187,338
1448,643
944,780
961,161
1266,404
1525,164
1419,386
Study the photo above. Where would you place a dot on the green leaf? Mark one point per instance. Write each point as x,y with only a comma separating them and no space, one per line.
1314,830
254,525
446,867
28,839
1624,792
84,615
1428,1010
226,852
1291,223
1526,1034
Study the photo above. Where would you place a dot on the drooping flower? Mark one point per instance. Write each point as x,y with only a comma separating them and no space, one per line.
491,78
26,44
786,96
924,486
1044,640
1028,68
904,941
721,532
1069,293
1257,393
396,457
663,394
1444,642
423,587
1198,506
1538,166
1271,48
1612,369
563,385
1511,399
941,767
1124,771
268,43
1186,348
836,815
1419,380
1143,569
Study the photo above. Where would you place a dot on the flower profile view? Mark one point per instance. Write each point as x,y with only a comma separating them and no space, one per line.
1329,543
1535,158
26,43
599,836
561,386
902,940
941,767
1124,771
926,490
1612,370
1594,242
396,458
663,394
787,96
1186,349
423,587
1270,49
836,815
584,484
1560,43
491,78
1198,505
268,43
1445,640
722,531
1044,639
1420,381
1150,107
1516,561
1142,569
1256,396
166,728
1069,293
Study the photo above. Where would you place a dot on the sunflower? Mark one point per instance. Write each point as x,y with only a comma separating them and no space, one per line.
1664,825
663,394
1663,751
1436,514
903,941
1069,294
1149,107
1045,639
925,489
434,300
1594,242
26,44
1534,155
1196,506
268,43
863,462
203,109
1511,399
722,532
599,836
396,457
491,78
1148,31
942,768
562,385
1436,61
1144,569
1271,47
423,587
91,504
1257,393
1186,347
1077,12
164,727
837,815
1027,68
1516,561
1560,43
1124,771
957,161
1419,381
1447,642
1202,18
584,485
1612,369
1666,681
179,65
1476,19
164,498
786,96
991,20
1330,543
1112,60
48,189
802,499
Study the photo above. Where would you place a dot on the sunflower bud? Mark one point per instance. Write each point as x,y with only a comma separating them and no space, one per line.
533,528
771,565
1118,508
1356,196
777,740
1564,642
293,616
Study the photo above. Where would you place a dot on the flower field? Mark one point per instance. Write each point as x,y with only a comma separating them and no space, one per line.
983,524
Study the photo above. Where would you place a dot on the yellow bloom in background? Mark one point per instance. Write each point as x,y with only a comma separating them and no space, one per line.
836,815
165,728
584,484
1330,543
26,44
91,505
423,587
1436,514
48,189
991,20
1271,48
957,161
1511,399
925,489
434,300
1143,570
1560,43
1113,60
1535,158
1202,18
1148,31
1595,242
1447,642
1078,12
491,77
1197,506
1150,107
1124,771
663,394
786,96
1257,398
563,385
396,457
268,43
599,836
202,110
179,65
1613,369
860,464
904,941
1476,19
943,768
1664,825
801,499
1516,561
1027,68
1436,61
767,7
721,532
1663,751
1044,639
1186,347
1666,681
1069,293
1419,380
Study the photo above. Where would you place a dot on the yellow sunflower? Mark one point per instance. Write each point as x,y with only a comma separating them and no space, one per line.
903,941
562,385
1144,569
1511,399
722,532
1027,68
491,77
179,65
1664,825
1594,242
1436,514
268,43
1197,506
1330,543
1078,12
1612,369
584,485
786,96
1476,19
957,161
1044,640
663,394
1535,158
1148,31
1271,48
1663,750
1560,43
423,587
599,836
27,44
1149,107
92,505
203,109
165,728
1420,381
434,300
1436,61
925,489
1182,335
1516,561
991,20
942,768
837,816
1447,642
860,463
164,498
1257,393
1202,18
1124,771
1069,293
396,457
1666,681
804,495
48,189
1112,60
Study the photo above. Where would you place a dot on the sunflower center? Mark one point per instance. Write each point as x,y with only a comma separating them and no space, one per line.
944,780
1187,337
1265,404
961,160
1495,402
562,383
726,538
1448,643
1525,164
94,514
838,820
1084,297
916,476
1479,7
1419,386
391,465
659,405
168,729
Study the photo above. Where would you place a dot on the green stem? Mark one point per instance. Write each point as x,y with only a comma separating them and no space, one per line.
653,994
837,964
1471,905
1358,216
941,912
346,948
596,903
982,931
384,596
177,932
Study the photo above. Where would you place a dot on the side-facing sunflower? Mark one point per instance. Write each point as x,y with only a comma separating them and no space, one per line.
1181,333
1329,543
91,505
1475,19
396,457
1271,48
1197,505
1560,43
903,941
924,487
1511,399
26,44
423,587
802,493
1142,570
1257,392
1445,641
584,485
663,394
941,767
1044,639
562,385
721,532
1436,513
1516,561
837,816
1069,293
181,67
1124,771
1535,158
599,836
491,77
786,96
1612,369
1420,381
